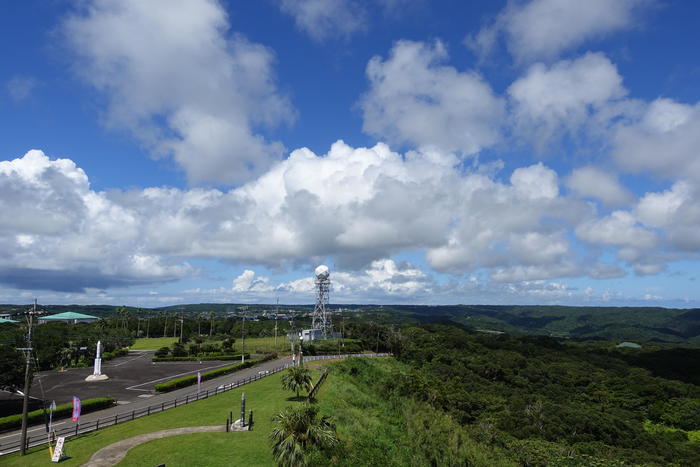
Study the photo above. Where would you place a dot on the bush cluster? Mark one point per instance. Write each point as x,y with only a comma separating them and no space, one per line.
115,353
62,411
190,380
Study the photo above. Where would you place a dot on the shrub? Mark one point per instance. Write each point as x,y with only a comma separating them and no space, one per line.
62,411
190,380
227,344
162,352
114,354
179,350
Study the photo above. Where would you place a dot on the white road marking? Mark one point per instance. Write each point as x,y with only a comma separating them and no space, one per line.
43,428
125,361
192,372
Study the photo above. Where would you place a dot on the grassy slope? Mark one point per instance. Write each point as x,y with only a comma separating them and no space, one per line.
264,397
378,431
153,343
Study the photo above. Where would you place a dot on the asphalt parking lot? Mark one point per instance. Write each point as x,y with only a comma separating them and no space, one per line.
129,377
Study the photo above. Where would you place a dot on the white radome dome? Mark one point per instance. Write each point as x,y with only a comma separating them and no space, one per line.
322,272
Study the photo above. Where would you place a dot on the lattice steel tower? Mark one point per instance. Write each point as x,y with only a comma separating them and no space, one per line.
321,319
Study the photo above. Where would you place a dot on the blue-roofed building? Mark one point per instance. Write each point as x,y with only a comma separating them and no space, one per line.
68,317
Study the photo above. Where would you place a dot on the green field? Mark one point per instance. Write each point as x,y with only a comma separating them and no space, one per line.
265,397
262,344
153,343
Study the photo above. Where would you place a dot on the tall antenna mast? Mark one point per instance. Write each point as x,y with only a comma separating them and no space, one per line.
321,319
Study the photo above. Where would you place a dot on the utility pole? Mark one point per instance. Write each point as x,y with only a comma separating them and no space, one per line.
182,325
243,339
27,377
277,310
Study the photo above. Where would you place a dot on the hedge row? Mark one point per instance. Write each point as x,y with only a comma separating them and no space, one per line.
115,353
199,359
63,410
190,380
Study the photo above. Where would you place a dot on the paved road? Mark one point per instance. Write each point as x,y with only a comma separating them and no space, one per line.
129,377
145,399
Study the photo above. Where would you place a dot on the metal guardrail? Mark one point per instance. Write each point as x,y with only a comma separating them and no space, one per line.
88,427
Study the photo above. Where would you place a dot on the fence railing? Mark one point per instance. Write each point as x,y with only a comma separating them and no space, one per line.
87,427
317,386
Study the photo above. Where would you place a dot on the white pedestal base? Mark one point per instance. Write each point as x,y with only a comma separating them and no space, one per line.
96,378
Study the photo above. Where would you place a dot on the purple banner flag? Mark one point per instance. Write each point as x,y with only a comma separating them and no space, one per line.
76,409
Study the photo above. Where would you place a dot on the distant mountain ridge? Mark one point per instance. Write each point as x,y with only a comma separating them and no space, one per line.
610,323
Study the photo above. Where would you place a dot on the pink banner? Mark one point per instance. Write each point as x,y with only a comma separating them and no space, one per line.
76,409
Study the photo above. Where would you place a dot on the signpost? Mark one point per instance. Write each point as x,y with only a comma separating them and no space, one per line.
58,450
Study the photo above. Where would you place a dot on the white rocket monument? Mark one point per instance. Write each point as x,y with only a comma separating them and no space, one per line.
97,372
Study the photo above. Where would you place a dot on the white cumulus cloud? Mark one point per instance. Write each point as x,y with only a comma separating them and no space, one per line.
664,140
321,19
542,29
175,76
414,98
570,96
593,182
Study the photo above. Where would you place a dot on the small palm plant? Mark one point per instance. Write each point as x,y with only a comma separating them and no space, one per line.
297,378
297,430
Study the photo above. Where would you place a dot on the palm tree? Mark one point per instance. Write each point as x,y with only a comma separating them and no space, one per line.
297,430
297,378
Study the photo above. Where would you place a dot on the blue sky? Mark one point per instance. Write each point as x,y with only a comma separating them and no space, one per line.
435,152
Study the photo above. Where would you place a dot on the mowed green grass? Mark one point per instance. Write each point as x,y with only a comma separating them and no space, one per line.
265,397
263,344
153,343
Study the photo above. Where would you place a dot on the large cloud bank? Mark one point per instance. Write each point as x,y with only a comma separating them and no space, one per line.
358,205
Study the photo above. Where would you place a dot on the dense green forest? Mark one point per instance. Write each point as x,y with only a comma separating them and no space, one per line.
458,398
582,323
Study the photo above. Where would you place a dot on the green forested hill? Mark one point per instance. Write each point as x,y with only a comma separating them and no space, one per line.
456,398
608,323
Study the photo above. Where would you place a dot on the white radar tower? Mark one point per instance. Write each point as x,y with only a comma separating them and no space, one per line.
321,319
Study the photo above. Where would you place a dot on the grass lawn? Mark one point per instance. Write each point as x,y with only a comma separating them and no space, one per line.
263,344
153,343
265,397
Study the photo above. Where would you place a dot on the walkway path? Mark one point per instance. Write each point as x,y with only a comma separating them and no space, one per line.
112,454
